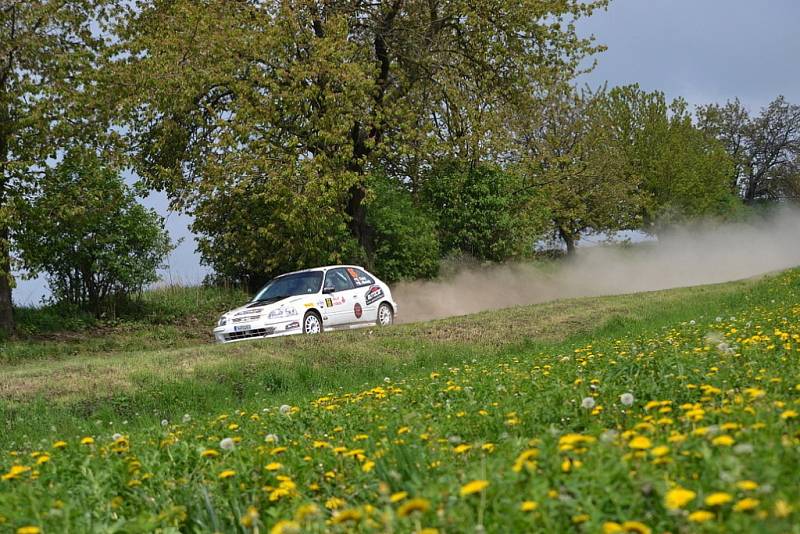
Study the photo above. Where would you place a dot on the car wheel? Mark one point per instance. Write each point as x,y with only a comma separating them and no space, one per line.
385,314
312,324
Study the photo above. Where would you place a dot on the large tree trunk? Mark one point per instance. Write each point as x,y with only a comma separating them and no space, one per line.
357,211
6,312
569,240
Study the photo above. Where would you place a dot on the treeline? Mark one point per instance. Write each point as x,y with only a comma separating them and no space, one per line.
298,133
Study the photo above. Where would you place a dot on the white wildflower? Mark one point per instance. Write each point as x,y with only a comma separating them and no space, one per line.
588,403
227,444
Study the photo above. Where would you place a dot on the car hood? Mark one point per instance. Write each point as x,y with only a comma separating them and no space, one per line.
251,308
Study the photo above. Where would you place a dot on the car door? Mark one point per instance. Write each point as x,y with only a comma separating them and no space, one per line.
368,297
340,298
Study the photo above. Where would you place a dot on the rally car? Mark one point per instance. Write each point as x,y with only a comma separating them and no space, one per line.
310,301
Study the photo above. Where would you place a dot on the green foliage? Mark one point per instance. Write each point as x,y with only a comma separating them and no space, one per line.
683,171
86,232
481,211
406,245
570,154
50,53
765,149
266,122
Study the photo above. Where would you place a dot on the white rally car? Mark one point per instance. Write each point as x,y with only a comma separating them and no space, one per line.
310,301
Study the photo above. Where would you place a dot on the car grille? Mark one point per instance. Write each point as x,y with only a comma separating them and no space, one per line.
256,332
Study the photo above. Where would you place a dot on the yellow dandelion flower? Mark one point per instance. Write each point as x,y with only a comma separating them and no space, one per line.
88,440
273,466
305,511
60,444
640,443
227,473
611,527
678,498
718,499
476,486
488,447
701,516
15,472
285,526
747,485
636,527
43,459
525,460
368,466
528,506
782,509
789,414
413,505
345,516
209,453
334,503
250,517
399,496
580,518
723,441
745,504
661,450
29,530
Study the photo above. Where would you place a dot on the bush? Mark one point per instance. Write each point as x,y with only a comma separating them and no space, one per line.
84,229
481,211
405,241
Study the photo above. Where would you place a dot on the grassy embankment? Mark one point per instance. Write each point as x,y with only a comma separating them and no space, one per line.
388,427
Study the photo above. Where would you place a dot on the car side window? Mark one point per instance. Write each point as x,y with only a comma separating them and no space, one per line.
338,279
359,277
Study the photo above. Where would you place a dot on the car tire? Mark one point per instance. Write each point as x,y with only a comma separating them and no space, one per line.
385,314
312,323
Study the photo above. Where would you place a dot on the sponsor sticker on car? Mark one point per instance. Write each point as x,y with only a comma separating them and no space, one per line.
374,293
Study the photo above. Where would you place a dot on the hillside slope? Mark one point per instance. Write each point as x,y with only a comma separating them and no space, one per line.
674,410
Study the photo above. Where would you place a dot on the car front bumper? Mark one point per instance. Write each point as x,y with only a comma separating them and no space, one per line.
235,332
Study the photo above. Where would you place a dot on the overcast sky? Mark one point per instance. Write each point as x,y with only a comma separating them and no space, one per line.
703,50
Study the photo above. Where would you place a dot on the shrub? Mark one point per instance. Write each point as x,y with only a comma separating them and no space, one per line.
85,230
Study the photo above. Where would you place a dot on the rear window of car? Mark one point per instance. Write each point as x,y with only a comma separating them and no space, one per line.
359,277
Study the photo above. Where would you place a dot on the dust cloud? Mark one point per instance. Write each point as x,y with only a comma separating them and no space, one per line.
701,254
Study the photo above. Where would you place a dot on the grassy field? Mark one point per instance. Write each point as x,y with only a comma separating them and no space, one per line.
668,411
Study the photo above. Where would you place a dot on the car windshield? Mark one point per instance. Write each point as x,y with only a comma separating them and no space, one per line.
290,285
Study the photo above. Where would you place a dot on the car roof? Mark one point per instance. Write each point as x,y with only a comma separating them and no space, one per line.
324,269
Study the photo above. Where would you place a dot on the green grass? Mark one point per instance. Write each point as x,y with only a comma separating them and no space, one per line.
527,368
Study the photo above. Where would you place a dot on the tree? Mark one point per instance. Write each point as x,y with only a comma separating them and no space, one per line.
47,54
301,101
581,169
482,211
683,172
88,234
765,148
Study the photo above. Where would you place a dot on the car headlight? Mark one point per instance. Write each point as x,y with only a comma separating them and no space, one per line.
283,312
222,321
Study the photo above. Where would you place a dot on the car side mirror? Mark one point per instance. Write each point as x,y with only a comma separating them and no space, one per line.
328,289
